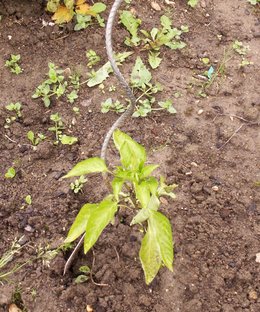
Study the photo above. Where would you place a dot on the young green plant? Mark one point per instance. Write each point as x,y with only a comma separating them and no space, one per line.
133,173
13,64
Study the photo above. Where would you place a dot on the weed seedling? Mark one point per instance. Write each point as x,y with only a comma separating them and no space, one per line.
78,184
13,65
92,57
35,140
58,130
109,105
157,244
84,275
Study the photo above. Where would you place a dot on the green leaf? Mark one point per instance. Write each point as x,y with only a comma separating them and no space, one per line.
193,3
10,174
86,166
67,140
79,225
157,246
117,185
132,153
141,216
103,73
142,193
140,76
168,106
98,7
98,220
166,22
147,170
154,59
28,199
132,24
30,136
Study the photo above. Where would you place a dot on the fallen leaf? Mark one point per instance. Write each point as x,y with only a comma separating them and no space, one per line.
63,15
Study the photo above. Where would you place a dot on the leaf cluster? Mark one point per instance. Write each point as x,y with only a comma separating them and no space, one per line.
156,38
13,65
157,244
57,85
65,10
14,108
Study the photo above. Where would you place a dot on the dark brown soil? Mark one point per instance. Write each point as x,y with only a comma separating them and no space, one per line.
216,217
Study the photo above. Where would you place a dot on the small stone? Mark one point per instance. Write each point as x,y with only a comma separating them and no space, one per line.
194,164
155,6
252,295
188,173
215,188
257,257
164,201
203,4
28,228
200,111
89,308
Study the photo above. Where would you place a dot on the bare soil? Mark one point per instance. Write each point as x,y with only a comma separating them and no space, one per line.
210,148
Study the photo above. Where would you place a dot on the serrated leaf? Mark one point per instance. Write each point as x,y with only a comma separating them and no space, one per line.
132,24
157,246
79,225
98,220
138,152
63,15
90,165
140,76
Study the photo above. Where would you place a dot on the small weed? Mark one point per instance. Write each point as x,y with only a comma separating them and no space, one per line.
156,38
242,50
157,245
16,109
92,57
13,65
35,140
109,105
57,85
78,184
58,130
84,276
7,257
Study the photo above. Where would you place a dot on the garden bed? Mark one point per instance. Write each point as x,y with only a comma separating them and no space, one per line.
210,148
